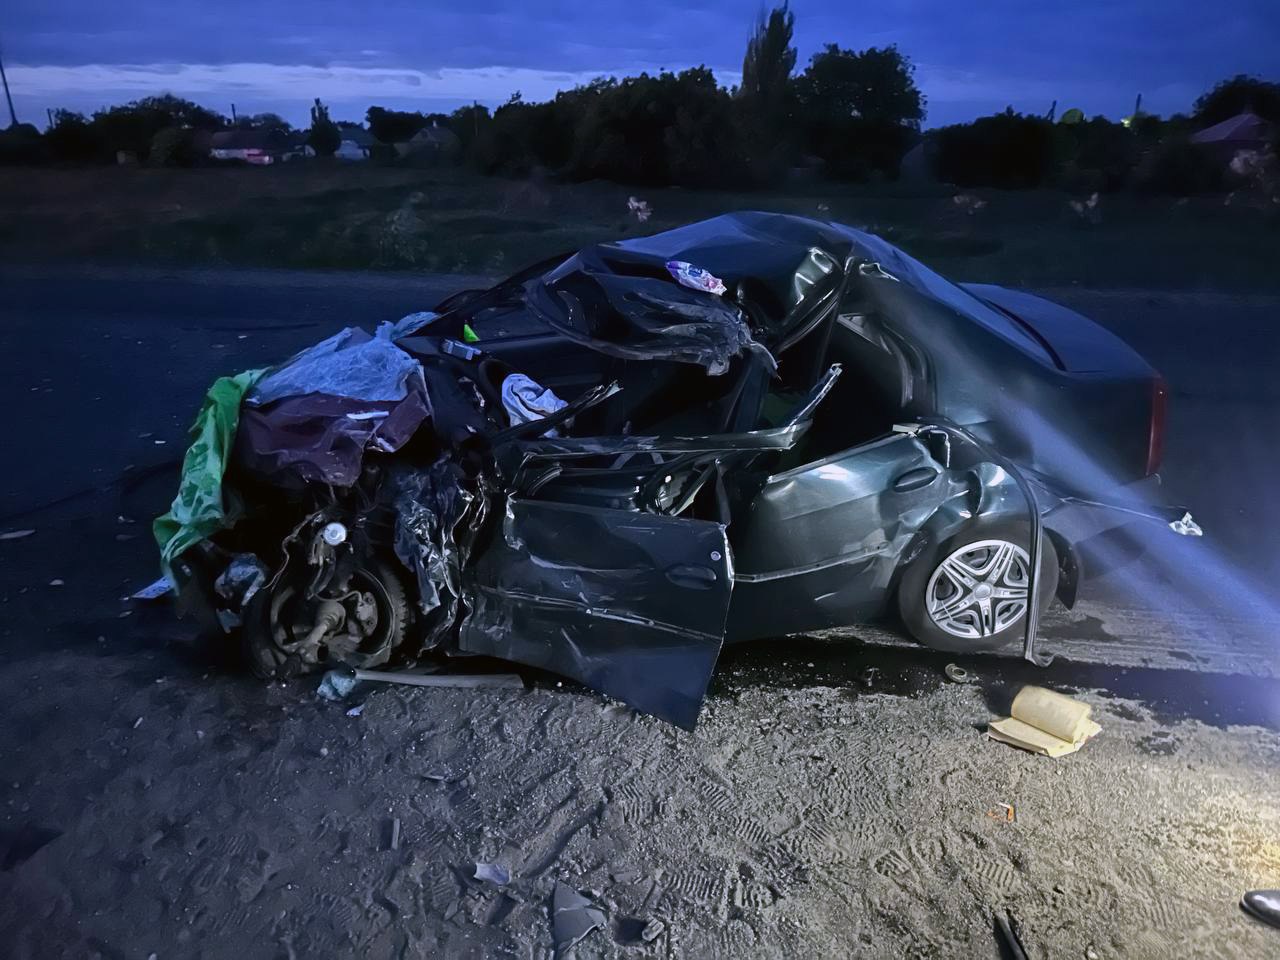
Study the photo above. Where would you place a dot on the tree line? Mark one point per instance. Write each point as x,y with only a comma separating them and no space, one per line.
850,114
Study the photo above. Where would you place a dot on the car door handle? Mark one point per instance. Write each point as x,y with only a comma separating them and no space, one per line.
692,576
915,479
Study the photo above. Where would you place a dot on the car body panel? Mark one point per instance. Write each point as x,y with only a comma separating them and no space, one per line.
630,604
1078,343
846,522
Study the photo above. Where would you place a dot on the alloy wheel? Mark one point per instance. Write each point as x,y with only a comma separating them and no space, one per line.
979,590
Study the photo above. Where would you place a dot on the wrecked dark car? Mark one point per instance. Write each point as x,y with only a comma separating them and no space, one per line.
614,462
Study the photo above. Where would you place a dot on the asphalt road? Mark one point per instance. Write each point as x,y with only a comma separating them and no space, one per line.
103,371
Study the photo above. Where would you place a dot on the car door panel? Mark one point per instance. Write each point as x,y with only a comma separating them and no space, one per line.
820,543
631,604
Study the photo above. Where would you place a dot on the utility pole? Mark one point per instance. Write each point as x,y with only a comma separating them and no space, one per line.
13,117
233,114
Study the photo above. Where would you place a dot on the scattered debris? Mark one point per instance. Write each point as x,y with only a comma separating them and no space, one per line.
572,918
1263,905
1003,811
1045,722
338,684
393,834
237,584
526,400
1087,210
1186,527
968,203
471,681
356,710
652,930
137,723
1007,928
493,873
57,582
15,534
956,674
153,591
695,278
639,209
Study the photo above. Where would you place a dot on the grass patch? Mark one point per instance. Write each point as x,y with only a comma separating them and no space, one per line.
369,217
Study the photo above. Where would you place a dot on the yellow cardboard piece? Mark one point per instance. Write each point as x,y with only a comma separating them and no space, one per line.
1046,723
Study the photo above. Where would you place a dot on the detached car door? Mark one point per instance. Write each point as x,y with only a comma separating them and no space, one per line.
631,604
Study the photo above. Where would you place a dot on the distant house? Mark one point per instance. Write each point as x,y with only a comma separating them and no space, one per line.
258,147
356,144
1244,131
433,143
295,146
918,163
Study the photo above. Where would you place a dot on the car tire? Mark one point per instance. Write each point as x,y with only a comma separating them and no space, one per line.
989,560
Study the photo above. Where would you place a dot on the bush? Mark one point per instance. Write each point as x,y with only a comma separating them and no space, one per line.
1180,168
72,139
1095,155
857,150
522,137
133,126
666,129
21,144
651,130
174,147
1007,150
393,126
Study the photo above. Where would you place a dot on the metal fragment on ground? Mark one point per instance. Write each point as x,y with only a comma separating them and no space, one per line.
494,873
467,680
572,918
153,591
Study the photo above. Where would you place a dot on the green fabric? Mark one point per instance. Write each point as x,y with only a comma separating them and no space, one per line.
198,510
469,335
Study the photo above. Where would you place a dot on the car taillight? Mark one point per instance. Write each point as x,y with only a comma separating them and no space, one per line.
1159,410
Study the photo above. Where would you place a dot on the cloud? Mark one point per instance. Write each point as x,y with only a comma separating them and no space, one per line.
277,81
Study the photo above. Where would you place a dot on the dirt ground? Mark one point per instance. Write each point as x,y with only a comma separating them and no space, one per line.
209,817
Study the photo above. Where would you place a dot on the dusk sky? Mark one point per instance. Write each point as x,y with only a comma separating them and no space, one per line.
971,58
